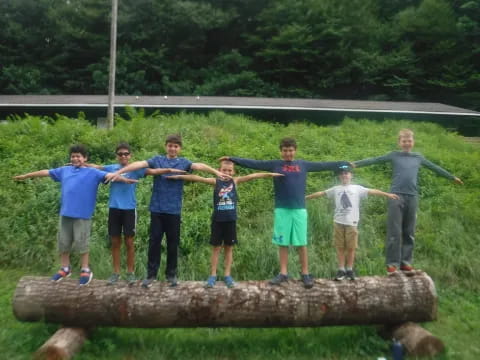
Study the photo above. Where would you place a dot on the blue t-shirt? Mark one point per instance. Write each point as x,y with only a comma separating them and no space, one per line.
167,194
290,188
79,190
122,195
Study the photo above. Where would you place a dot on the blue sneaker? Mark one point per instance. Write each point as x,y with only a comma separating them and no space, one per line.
229,281
61,274
277,280
86,275
211,281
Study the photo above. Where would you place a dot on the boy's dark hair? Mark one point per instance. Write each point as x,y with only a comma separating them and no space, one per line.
79,148
288,142
174,139
123,145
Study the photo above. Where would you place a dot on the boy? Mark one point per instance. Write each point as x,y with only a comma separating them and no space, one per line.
165,206
347,213
122,214
290,215
224,216
79,191
402,213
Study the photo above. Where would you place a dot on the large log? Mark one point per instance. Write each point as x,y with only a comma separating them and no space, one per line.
62,345
368,300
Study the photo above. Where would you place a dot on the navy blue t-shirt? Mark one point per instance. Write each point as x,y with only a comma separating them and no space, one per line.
224,201
167,194
290,188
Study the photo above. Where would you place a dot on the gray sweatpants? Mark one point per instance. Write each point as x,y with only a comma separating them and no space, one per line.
402,217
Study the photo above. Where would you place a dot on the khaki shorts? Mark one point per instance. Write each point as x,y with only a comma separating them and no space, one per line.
345,236
73,234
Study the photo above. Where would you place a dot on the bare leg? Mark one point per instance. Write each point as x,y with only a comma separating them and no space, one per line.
214,260
116,244
129,243
303,254
283,255
341,257
350,257
228,254
84,260
65,259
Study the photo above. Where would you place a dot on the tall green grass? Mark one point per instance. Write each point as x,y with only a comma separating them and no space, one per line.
447,233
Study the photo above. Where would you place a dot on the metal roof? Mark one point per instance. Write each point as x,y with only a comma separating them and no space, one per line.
238,103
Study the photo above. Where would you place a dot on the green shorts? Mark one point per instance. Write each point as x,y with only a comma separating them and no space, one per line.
290,227
73,234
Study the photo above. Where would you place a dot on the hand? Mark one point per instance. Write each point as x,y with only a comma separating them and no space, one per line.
457,180
352,165
277,174
111,177
224,177
128,180
393,196
20,177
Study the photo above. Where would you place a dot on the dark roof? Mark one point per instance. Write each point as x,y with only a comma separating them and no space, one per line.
213,102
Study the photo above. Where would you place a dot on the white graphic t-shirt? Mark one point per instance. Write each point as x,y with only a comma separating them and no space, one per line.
347,202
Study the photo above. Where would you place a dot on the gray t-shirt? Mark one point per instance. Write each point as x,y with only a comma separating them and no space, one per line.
405,170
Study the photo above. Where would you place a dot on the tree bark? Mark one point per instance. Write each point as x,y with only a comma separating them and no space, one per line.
416,340
62,345
368,300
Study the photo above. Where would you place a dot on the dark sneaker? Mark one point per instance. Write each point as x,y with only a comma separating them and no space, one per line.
340,275
350,274
113,279
228,280
172,279
61,274
85,277
148,282
406,267
307,280
391,270
277,280
211,281
131,278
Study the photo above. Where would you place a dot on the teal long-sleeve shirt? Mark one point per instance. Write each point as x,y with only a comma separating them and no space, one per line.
405,170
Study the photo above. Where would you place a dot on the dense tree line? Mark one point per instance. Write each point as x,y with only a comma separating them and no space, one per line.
359,49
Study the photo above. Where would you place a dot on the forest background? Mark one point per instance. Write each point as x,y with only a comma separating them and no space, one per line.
416,50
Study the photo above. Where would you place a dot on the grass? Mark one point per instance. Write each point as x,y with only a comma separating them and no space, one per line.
448,231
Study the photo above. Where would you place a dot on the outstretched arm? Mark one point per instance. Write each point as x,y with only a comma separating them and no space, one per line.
194,178
209,169
40,173
160,171
122,179
130,167
253,176
381,193
266,165
373,160
315,195
441,171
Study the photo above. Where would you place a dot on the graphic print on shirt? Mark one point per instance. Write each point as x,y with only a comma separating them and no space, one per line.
345,201
291,168
224,198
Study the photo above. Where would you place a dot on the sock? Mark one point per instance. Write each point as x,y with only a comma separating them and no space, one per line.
341,268
349,269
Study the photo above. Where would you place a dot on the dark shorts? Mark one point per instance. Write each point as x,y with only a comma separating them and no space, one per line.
223,233
121,221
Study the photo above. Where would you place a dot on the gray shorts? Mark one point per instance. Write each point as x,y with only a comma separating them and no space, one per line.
73,234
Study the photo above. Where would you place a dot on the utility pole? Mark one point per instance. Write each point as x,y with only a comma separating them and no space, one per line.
112,69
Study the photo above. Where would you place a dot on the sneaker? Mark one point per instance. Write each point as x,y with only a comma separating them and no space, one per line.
340,275
131,278
61,274
172,279
113,279
148,282
406,267
228,280
211,281
350,274
85,277
307,280
391,269
277,280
